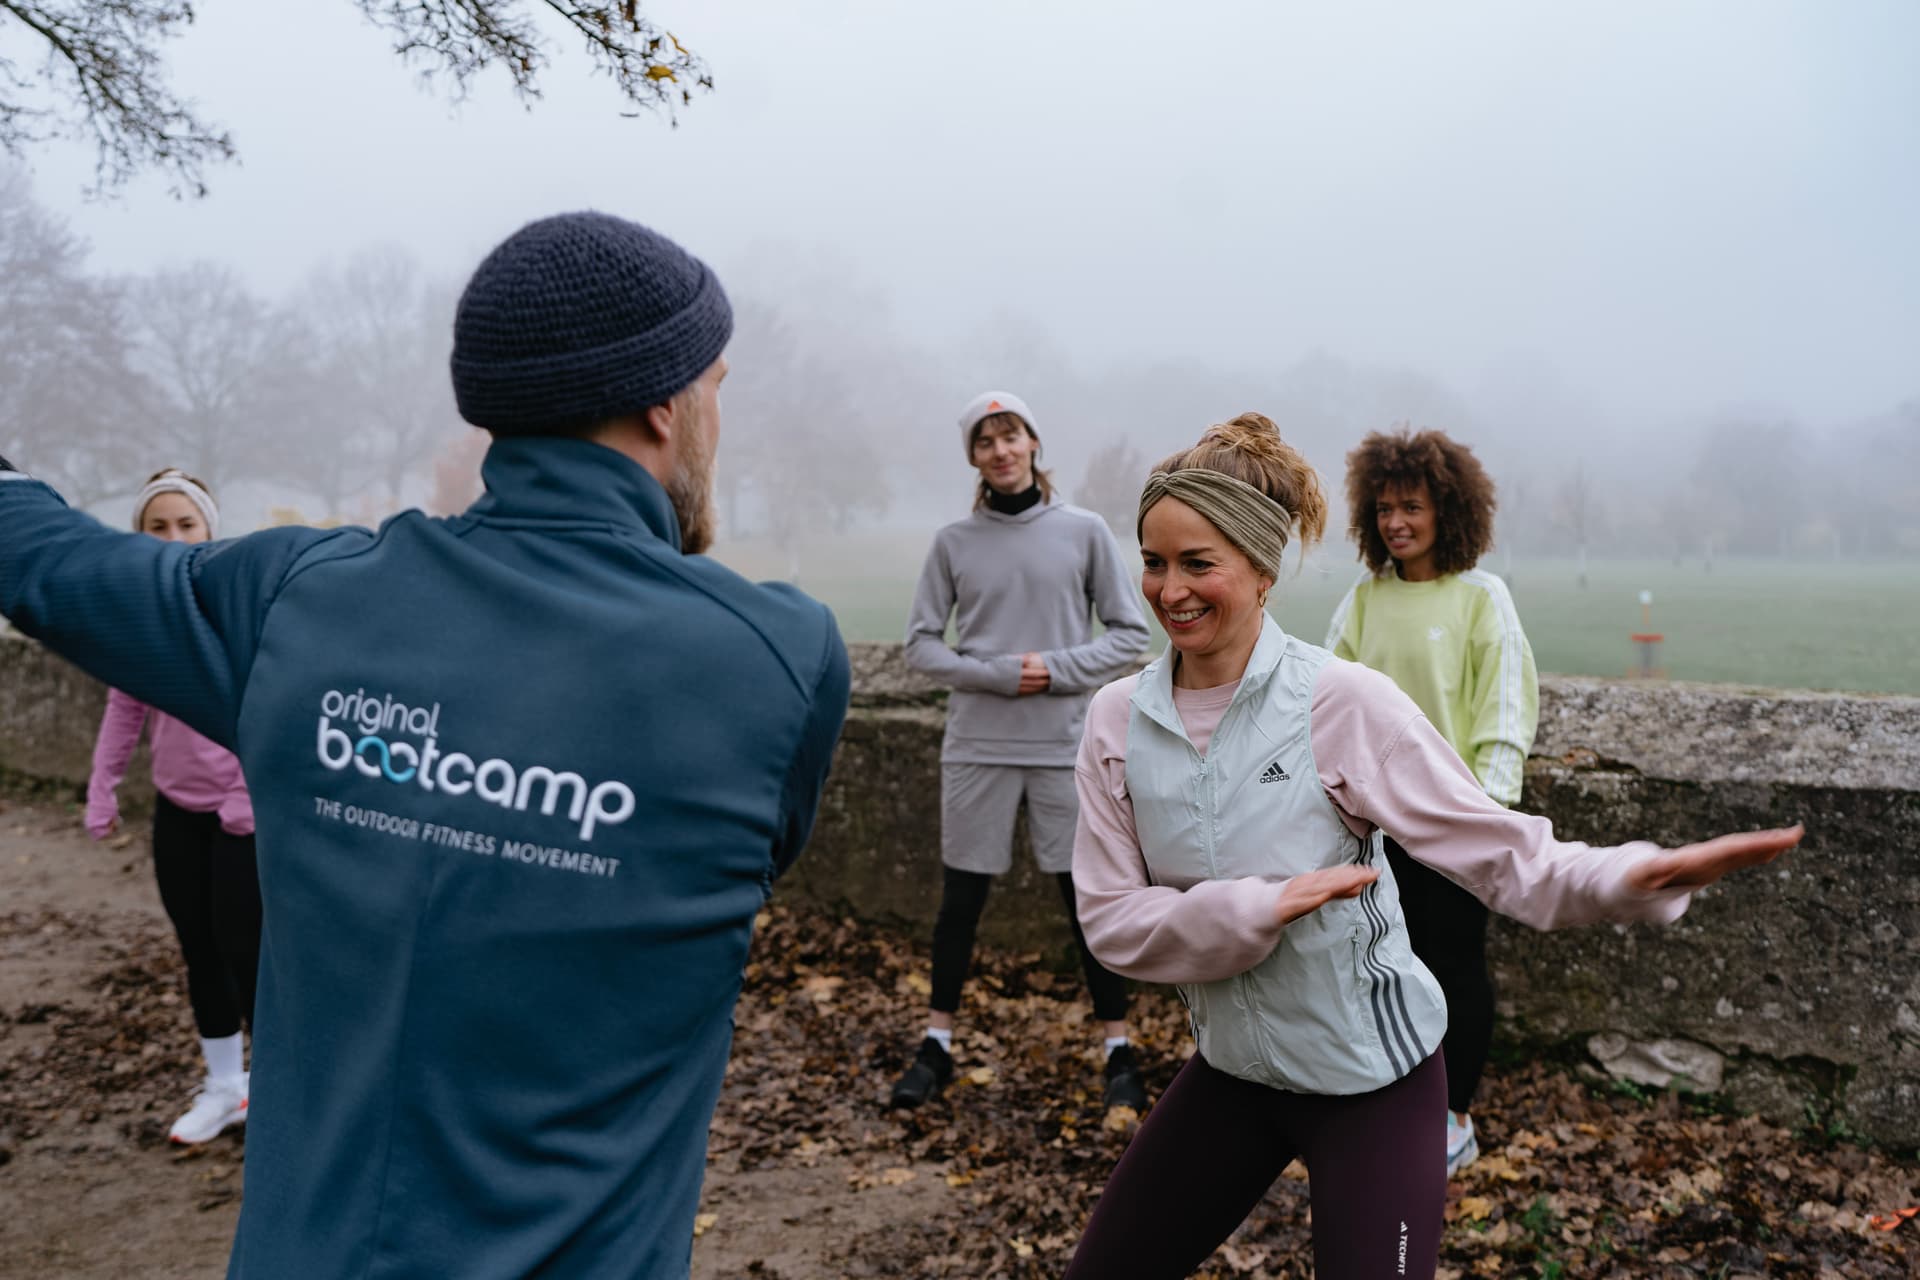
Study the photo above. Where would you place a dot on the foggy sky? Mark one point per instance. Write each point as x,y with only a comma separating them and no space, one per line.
1664,209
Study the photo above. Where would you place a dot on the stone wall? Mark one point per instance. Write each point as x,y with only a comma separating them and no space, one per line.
1791,986
1794,986
49,714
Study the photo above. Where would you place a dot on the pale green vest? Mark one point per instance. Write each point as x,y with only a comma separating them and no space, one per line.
1341,1005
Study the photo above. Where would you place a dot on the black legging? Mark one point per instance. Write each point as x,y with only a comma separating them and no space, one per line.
963,896
211,890
1213,1144
1448,929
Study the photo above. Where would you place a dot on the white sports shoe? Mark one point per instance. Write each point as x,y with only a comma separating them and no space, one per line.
218,1104
1462,1147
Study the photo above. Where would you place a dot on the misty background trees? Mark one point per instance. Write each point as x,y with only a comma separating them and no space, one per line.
332,403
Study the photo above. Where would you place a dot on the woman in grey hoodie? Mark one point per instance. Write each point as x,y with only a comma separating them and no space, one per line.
1021,579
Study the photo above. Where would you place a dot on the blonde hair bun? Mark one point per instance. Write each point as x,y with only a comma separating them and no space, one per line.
1249,448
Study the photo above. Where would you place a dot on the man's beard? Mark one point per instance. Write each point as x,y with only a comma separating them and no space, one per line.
690,489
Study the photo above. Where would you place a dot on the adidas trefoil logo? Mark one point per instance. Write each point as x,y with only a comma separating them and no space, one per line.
1274,773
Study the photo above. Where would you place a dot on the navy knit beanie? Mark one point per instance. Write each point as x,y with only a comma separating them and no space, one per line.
581,318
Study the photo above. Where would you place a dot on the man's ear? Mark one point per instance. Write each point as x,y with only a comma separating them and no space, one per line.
661,421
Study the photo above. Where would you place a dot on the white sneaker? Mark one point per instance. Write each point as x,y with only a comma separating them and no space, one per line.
218,1104
1462,1147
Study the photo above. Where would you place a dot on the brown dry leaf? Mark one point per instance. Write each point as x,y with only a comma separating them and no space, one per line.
1473,1208
1496,1165
820,988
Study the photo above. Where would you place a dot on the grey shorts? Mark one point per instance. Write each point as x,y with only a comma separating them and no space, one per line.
977,807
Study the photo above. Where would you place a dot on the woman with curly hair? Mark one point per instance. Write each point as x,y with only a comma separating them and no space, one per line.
1421,509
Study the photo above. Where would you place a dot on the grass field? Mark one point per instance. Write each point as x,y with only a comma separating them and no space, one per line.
1807,624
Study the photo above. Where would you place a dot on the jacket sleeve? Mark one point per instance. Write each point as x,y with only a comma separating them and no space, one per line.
1383,764
175,626
1210,930
1116,602
807,776
1506,700
927,649
1344,630
119,734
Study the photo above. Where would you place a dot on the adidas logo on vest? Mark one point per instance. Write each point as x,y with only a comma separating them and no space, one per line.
1274,773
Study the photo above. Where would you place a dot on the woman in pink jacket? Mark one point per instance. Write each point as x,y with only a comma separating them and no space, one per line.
202,842
1233,797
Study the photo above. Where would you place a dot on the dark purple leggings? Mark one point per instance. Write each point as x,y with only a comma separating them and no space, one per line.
1214,1143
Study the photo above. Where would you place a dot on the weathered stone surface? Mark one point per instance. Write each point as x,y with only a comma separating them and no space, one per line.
881,678
1804,963
49,716
1724,733
1804,977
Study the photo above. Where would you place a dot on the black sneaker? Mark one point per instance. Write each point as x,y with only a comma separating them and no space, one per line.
1125,1088
932,1068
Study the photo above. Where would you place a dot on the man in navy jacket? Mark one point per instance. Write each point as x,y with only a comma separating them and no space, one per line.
523,778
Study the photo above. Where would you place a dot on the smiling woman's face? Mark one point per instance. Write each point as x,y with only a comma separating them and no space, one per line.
1203,589
1405,516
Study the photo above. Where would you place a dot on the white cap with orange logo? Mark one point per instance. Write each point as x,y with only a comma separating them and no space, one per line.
985,406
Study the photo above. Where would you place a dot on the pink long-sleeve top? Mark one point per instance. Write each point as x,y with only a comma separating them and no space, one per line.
1383,765
194,773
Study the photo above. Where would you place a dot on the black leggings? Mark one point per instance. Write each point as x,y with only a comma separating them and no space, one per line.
1448,929
963,896
211,890
1213,1144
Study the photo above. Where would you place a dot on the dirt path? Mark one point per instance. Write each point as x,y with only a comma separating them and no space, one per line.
90,1186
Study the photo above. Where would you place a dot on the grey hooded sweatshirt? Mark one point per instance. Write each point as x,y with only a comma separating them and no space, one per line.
1017,584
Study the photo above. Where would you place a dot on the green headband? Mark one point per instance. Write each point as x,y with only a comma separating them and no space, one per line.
1252,521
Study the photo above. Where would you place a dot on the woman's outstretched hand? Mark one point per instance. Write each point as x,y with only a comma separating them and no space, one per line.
1312,890
1694,865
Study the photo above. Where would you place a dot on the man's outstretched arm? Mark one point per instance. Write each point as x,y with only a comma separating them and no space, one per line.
173,625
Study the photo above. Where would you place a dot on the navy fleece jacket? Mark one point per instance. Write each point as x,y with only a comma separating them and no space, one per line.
523,778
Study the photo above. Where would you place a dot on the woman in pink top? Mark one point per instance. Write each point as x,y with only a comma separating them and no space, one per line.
1233,797
202,842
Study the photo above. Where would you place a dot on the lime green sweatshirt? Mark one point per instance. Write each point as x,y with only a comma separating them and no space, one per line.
1454,645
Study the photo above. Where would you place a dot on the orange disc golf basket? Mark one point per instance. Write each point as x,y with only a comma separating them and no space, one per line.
1646,644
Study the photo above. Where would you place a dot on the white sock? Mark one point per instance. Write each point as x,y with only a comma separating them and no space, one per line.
225,1057
1114,1042
944,1035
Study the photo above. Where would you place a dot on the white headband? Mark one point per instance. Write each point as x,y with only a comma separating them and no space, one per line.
177,482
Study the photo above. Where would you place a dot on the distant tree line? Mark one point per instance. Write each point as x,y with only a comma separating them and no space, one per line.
337,392
338,395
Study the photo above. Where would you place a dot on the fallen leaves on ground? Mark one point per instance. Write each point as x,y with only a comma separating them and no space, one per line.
1572,1182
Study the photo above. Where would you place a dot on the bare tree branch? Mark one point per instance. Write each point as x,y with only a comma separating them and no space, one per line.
102,76
461,38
